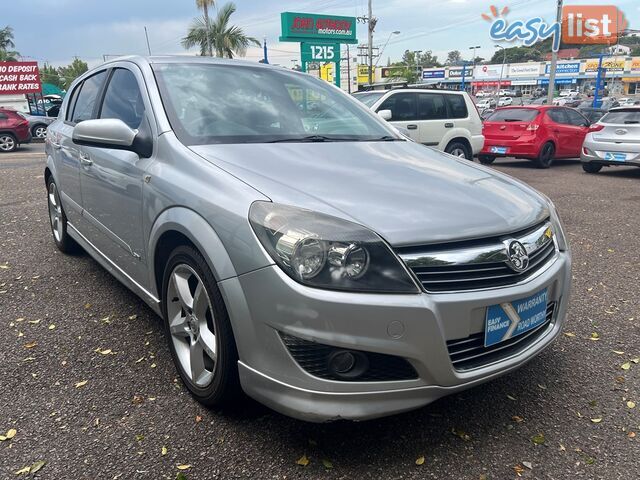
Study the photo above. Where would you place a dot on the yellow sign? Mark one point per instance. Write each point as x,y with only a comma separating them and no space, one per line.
611,64
326,72
363,74
635,64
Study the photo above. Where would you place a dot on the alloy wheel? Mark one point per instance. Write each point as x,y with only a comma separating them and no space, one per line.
55,212
458,152
7,143
191,325
40,131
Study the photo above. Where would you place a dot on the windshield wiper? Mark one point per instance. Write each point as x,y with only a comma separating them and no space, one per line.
631,122
388,138
324,138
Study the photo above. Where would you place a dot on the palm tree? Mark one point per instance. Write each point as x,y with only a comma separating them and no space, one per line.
204,6
226,40
6,42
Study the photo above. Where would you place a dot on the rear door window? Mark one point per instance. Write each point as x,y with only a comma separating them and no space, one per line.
513,115
557,115
457,106
575,118
403,107
85,107
432,106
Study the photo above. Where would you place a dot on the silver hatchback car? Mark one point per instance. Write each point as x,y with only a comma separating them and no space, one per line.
613,141
297,247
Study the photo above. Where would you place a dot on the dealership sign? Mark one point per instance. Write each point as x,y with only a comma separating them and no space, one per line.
487,71
427,74
559,81
564,68
302,27
18,78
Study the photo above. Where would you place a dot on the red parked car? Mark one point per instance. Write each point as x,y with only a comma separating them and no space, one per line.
14,130
540,133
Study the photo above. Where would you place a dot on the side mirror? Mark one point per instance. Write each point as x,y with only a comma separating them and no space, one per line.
113,133
385,114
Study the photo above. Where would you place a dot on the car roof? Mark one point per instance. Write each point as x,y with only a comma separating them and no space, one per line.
423,90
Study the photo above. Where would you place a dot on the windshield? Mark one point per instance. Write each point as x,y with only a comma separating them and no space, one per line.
622,117
369,98
215,103
513,115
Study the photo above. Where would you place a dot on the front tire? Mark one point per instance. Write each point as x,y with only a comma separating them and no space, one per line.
459,149
58,220
198,329
39,131
591,167
8,143
545,158
486,159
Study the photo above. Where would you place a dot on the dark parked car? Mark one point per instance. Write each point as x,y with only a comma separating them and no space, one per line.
592,114
14,130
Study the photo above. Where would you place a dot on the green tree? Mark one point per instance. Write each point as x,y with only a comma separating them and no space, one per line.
69,73
454,57
49,74
204,6
7,54
226,40
517,55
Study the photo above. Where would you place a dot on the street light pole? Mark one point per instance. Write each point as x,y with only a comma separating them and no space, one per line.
371,25
554,59
397,32
473,61
504,60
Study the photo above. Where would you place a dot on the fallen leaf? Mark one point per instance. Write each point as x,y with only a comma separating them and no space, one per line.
23,470
327,464
137,400
517,419
52,327
34,322
538,439
139,437
4,267
420,461
570,334
30,344
87,306
631,435
153,365
181,476
303,460
198,418
183,467
596,420
81,384
164,451
511,397
133,317
625,366
631,404
617,352
519,469
11,433
528,465
594,336
542,387
636,360
37,466
108,351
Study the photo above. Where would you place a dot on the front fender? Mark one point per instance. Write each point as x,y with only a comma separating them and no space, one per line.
199,232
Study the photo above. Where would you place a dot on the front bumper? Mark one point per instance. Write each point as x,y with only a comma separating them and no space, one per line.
265,302
610,154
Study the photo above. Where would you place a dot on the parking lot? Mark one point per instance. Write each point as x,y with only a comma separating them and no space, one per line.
87,381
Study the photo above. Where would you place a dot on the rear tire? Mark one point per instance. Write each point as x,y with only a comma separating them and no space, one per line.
486,159
8,143
198,329
545,158
591,167
459,149
39,131
58,220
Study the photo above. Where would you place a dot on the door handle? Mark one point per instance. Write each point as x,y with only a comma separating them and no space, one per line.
55,145
412,127
448,125
85,160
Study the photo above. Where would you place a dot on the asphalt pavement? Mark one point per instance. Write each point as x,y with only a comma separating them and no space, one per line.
87,382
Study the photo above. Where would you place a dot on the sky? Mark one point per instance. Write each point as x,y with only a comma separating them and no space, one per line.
56,31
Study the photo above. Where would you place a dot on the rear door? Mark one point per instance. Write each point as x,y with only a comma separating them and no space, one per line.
580,127
404,111
562,131
433,118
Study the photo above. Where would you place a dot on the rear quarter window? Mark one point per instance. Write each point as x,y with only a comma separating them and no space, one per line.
457,106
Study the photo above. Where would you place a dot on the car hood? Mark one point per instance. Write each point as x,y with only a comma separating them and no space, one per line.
407,193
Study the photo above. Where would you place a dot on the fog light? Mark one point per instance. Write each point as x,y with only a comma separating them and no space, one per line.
347,363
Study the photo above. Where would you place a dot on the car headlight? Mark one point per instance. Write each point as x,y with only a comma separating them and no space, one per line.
322,251
563,245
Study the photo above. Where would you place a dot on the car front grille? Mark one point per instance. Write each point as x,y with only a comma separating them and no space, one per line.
313,357
478,264
469,353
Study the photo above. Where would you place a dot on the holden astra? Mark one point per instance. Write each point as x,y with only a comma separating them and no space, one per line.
296,246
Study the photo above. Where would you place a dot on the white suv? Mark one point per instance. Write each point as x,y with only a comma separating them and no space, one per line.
446,120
